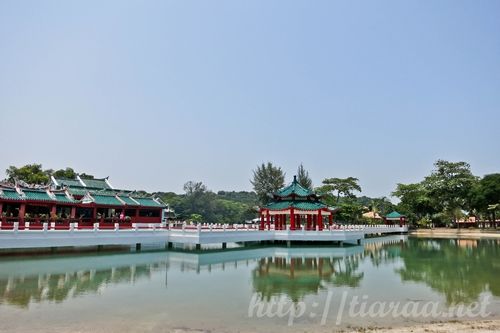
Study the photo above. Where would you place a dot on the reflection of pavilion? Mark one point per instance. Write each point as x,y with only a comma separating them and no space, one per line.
297,277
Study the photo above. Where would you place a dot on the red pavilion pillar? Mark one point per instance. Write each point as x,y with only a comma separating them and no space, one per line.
320,220
261,221
330,219
22,211
292,219
268,216
298,221
309,221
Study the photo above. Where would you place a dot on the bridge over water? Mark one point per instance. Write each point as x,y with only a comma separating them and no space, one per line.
51,237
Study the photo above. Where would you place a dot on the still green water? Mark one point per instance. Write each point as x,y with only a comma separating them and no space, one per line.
241,289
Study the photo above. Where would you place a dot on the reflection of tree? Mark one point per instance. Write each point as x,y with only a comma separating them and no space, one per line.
297,277
383,252
21,291
345,274
459,269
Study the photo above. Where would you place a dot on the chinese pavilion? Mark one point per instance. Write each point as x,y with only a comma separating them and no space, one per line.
395,218
297,207
81,200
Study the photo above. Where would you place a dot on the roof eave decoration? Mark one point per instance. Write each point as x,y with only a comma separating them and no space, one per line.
87,199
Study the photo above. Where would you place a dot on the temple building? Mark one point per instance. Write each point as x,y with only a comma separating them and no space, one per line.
296,207
82,200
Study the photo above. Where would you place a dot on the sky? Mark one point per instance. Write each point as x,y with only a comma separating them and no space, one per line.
156,93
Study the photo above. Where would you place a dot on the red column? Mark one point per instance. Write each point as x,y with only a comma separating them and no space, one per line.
292,219
53,212
320,220
277,218
1,208
261,221
298,221
400,221
268,216
73,212
315,222
22,211
330,219
309,221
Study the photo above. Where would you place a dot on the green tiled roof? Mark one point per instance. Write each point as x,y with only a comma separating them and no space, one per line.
68,182
128,200
63,198
10,194
302,205
294,189
103,192
106,200
37,195
148,202
77,191
96,183
394,215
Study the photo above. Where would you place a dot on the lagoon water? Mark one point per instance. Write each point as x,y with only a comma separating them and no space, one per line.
246,289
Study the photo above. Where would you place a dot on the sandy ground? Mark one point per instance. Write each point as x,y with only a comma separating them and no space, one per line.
459,327
460,233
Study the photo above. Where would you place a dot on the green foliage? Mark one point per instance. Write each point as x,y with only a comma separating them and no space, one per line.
446,193
65,173
223,207
303,177
450,186
485,197
87,176
343,186
34,174
195,218
267,179
30,173
350,211
382,205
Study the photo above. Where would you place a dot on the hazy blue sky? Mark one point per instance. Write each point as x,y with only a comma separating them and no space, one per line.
155,93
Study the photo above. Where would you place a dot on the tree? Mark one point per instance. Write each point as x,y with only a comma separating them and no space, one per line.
87,176
485,197
450,185
30,173
267,179
343,186
65,173
303,178
415,201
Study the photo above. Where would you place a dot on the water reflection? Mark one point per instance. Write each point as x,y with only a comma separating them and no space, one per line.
458,269
21,290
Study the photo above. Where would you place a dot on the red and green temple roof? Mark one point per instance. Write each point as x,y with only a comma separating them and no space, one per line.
10,194
294,190
300,205
37,195
298,197
394,215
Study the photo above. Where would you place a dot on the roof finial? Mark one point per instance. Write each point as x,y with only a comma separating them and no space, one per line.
295,178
